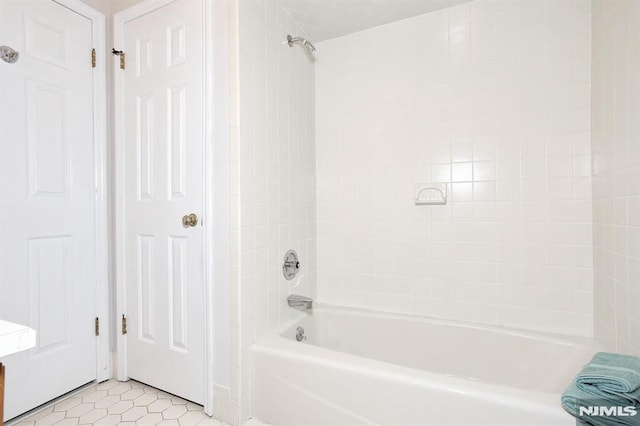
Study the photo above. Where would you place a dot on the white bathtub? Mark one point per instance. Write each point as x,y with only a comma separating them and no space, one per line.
359,367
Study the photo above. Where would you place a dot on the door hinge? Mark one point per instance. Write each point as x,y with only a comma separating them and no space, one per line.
119,53
93,58
124,324
97,326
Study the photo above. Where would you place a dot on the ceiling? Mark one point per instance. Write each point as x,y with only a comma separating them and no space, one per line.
325,19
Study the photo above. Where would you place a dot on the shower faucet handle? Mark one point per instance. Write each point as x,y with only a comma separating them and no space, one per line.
291,265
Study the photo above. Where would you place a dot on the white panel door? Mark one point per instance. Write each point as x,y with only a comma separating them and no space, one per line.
163,145
47,200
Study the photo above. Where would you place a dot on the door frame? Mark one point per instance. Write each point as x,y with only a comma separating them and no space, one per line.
101,173
215,203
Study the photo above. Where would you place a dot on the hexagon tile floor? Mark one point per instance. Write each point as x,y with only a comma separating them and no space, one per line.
121,403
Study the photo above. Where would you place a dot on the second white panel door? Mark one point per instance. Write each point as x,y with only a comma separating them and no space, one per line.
163,145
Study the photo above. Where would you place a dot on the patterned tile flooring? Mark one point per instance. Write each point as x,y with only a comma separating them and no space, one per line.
121,403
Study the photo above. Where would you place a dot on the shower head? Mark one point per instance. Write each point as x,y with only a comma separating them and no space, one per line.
306,44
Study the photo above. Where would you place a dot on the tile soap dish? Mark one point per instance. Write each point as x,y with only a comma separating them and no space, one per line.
431,194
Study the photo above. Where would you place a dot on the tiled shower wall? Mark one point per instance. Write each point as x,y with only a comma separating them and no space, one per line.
493,98
616,155
275,178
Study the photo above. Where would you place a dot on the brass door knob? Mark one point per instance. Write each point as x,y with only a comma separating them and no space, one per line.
189,220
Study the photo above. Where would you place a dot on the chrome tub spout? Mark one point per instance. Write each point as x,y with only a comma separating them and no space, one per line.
296,301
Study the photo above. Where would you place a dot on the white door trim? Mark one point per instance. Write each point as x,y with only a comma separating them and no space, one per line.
213,258
217,190
98,28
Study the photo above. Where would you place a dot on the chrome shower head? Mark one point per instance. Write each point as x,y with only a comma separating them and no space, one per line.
306,44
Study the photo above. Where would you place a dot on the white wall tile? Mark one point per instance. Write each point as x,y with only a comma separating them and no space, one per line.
491,97
616,75
275,174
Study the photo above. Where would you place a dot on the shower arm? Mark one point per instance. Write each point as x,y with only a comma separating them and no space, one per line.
306,44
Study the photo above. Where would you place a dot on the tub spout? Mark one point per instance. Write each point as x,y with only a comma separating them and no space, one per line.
296,301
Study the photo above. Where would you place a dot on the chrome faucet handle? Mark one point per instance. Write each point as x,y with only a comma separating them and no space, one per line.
291,265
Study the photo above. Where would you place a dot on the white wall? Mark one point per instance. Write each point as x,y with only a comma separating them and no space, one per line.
103,6
616,160
119,5
492,97
274,178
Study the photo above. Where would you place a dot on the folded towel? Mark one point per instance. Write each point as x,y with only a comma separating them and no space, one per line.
574,398
613,377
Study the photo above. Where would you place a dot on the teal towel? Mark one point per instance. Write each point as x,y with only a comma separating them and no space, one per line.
574,397
613,377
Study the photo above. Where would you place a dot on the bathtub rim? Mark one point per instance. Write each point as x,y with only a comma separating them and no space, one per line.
558,338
